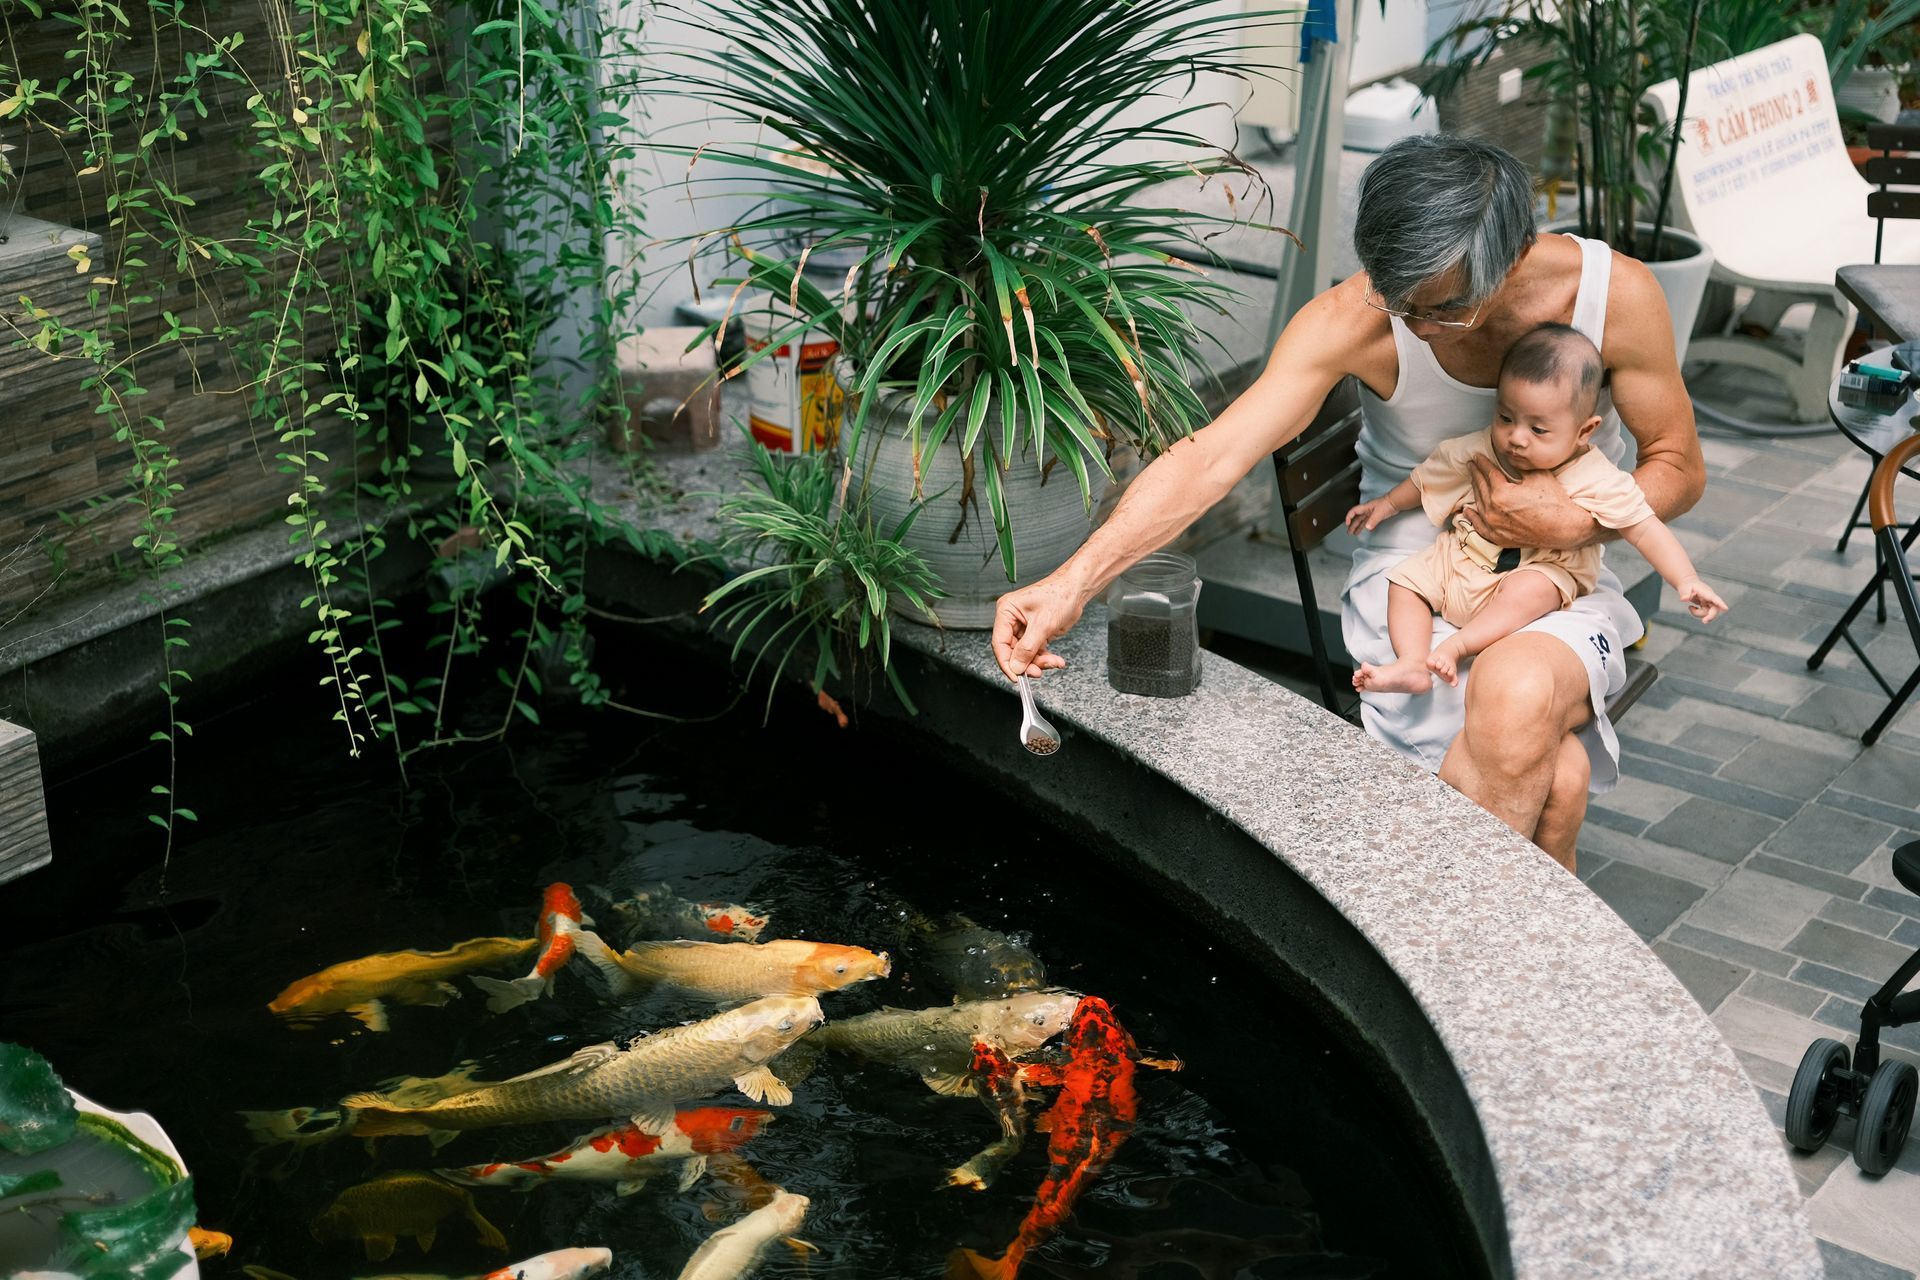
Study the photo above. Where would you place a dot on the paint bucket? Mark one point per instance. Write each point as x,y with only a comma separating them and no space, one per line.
794,401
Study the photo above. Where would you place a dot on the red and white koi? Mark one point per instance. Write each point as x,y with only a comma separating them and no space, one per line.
560,920
625,1156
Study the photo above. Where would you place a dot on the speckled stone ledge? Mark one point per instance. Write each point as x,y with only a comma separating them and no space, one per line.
1625,1140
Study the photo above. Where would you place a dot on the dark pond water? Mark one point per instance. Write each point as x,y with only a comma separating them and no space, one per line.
1270,1155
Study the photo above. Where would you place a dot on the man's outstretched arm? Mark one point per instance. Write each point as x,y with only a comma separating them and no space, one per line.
1181,484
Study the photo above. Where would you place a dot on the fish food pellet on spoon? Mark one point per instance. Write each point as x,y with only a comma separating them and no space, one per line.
1152,656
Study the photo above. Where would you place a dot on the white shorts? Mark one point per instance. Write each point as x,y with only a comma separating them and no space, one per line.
1597,627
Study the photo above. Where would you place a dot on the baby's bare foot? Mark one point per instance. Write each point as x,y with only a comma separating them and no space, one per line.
1444,662
1404,675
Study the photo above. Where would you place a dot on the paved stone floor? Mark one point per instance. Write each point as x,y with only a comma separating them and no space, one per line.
1749,839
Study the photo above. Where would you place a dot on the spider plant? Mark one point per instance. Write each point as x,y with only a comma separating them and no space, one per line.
811,575
1017,291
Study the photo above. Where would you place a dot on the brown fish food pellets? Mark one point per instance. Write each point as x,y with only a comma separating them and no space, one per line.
1152,656
1041,745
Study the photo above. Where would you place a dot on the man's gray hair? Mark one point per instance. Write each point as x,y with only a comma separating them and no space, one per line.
1432,203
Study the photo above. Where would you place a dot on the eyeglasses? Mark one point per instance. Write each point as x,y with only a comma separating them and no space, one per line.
1378,303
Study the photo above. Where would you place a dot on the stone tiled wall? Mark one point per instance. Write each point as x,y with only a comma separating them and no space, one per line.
56,453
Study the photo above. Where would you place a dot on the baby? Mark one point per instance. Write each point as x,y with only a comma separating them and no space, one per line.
1543,421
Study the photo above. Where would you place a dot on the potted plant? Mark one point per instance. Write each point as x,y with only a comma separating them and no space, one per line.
1605,56
83,1189
1014,307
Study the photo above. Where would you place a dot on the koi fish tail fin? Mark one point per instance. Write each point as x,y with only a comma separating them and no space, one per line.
965,1264
373,1117
511,993
509,1176
594,949
490,1237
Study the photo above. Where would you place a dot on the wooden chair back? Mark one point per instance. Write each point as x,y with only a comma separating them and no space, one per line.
1891,169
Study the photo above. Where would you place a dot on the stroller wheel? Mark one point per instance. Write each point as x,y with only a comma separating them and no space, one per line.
1813,1103
1886,1113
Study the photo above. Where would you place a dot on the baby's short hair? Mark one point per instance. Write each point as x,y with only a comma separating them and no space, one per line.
1553,352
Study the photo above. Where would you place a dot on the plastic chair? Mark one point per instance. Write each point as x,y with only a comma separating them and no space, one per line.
1319,478
1763,180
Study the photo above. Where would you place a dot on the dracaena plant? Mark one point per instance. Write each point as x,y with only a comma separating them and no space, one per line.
1015,279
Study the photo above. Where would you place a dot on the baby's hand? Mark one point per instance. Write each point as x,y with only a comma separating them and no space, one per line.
1703,601
1363,518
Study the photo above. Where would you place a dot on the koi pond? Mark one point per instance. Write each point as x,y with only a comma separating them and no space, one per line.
1271,1152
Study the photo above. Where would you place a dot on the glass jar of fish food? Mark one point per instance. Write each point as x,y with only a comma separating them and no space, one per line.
1153,627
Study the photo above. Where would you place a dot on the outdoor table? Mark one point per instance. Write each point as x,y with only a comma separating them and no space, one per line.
1874,434
1888,296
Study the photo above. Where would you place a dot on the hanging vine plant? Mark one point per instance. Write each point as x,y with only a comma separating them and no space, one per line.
414,315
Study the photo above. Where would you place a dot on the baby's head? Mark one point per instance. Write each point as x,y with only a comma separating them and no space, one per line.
1549,388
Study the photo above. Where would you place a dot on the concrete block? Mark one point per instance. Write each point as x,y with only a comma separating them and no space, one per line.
24,844
1716,830
673,395
1646,900
1707,978
1827,837
1847,949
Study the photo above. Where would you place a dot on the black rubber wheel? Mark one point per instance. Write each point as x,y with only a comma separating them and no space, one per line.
1813,1103
1886,1113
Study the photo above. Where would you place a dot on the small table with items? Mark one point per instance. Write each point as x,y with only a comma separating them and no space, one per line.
1874,434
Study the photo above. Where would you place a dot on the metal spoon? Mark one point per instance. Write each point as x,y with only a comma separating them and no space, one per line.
1037,733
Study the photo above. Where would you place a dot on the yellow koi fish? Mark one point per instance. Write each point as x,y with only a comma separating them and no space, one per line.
379,1211
603,1081
360,987
724,971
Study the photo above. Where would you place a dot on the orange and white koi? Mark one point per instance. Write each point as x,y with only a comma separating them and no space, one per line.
361,987
560,920
724,971
625,1156
997,1083
1085,1127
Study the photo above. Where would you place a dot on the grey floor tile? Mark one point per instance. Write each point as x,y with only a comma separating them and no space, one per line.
1739,794
1761,909
1588,863
1885,773
1708,978
1812,1169
1764,959
1845,711
1898,901
1598,814
1856,915
1814,877
1868,807
1834,982
1849,950
1714,741
1826,837
1643,757
1646,900
1713,829
1684,687
1790,771
1603,841
1908,934
1783,994
1845,1264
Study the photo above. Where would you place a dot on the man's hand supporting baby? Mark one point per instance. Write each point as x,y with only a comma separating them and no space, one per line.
1533,511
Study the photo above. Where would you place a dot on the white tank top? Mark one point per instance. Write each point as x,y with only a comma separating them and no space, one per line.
1428,405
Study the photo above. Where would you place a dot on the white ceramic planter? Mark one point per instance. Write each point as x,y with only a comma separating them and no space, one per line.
1683,279
1874,90
1049,518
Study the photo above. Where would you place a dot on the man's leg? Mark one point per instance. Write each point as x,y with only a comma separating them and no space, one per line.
1566,806
1527,694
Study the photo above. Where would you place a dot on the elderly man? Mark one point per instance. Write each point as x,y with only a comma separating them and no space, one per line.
1452,274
